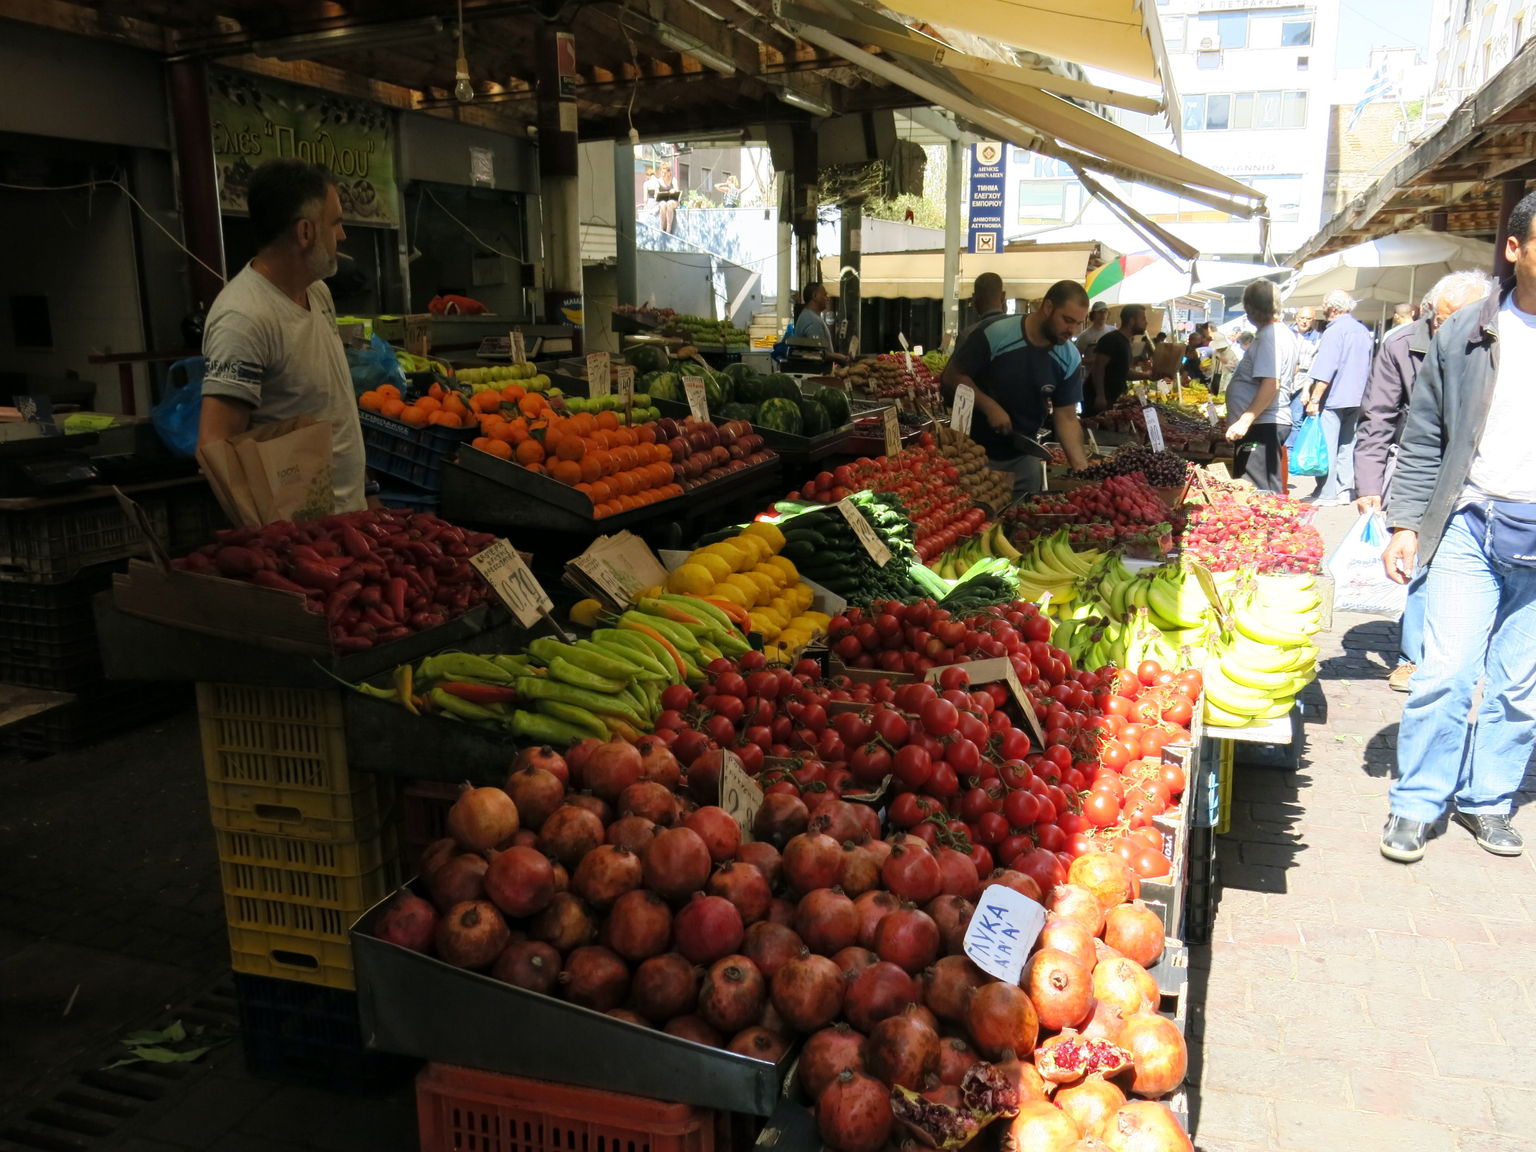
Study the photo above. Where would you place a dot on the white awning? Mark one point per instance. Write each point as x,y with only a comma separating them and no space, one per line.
1026,272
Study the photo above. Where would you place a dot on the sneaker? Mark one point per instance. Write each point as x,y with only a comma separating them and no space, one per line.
1493,833
1403,839
1398,680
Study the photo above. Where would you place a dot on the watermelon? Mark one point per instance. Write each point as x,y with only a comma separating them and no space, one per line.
739,411
780,415
726,385
780,384
647,358
666,386
835,401
749,389
713,395
739,372
813,418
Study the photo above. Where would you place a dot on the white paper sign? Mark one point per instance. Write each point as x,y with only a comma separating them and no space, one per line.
620,566
1141,395
511,580
698,398
1165,388
964,405
1002,930
739,793
1154,428
599,379
892,425
862,528
519,351
624,381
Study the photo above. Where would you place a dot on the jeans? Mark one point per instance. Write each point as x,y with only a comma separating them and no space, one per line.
1339,427
1483,628
1298,414
1410,629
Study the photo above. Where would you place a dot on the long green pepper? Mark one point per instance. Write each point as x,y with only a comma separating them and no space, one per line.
534,689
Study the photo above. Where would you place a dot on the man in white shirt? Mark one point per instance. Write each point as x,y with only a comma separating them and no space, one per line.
1098,325
271,342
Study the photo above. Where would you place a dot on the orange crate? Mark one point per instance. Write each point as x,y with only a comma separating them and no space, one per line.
464,1108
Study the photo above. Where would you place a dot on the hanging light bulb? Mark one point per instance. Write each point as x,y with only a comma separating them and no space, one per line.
463,89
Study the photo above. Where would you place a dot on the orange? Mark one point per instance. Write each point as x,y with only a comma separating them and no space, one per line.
602,491
584,423
370,400
416,416
454,403
566,471
604,461
590,469
485,402
429,403
623,483
436,391
626,457
446,419
388,391
499,448
530,451
513,393
531,406
479,442
571,448
647,433
392,408
608,420
536,469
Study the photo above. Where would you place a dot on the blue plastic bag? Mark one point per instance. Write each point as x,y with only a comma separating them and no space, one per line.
176,416
374,365
1310,457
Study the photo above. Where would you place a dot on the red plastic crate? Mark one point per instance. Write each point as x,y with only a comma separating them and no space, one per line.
467,1110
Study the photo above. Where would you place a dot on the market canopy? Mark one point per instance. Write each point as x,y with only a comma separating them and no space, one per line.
1027,271
1391,270
1154,281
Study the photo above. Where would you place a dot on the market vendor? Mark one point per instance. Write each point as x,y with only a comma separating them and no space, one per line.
811,323
271,342
1025,370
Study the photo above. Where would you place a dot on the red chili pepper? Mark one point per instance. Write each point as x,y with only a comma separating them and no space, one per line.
357,545
336,603
351,643
270,579
379,618
489,694
316,574
397,588
371,596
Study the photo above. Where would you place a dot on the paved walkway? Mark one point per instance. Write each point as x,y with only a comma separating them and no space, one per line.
1346,1003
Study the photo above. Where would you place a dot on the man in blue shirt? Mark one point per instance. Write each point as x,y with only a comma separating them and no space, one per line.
1025,369
1339,372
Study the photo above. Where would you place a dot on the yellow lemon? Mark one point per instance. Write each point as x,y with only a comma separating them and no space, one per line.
785,565
731,552
779,618
803,596
756,546
794,638
763,624
772,574
747,586
719,567
768,533
784,604
690,579
731,593
586,612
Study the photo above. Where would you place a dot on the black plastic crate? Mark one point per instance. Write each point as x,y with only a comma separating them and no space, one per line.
193,516
48,632
100,710
309,1034
414,455
57,541
39,661
411,499
1200,903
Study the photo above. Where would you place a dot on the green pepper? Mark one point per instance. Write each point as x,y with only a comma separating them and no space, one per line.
574,714
547,649
463,666
635,647
562,669
533,688
546,729
464,709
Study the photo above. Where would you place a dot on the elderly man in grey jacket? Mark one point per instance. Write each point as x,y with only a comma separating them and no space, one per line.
1463,501
1381,426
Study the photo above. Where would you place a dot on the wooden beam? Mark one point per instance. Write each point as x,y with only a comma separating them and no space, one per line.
79,20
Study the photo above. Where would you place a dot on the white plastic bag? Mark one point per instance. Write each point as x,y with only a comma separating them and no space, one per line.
1360,583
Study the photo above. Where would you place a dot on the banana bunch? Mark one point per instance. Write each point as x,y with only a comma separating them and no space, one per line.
954,564
1268,657
1051,565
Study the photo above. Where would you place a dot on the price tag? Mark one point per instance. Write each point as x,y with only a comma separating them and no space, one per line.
698,399
917,350
901,338
519,351
892,424
624,381
599,379
1141,394
1093,443
1002,930
140,520
862,528
511,580
1154,428
996,668
1211,413
619,566
739,793
962,409
1165,388
853,346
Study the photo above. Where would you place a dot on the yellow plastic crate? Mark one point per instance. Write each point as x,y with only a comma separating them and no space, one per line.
287,957
346,858
289,738
352,894
354,817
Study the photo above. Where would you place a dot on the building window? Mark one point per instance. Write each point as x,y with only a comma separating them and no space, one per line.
1042,201
1173,33
1218,112
1295,33
1242,110
1194,113
1233,29
1207,61
1303,63
1283,194
1293,110
1238,111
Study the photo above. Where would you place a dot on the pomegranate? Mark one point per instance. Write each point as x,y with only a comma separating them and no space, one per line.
812,861
520,881
827,921
744,886
879,849
1071,937
844,821
1001,1018
765,858
1068,1056
707,928
1018,881
1106,1022
959,873
562,878
732,994
828,1053
1021,1078
537,792
1090,1103
703,776
605,874
595,978
955,1059
760,1043
912,873
435,854
633,833
651,800
565,923
576,758
1060,988
409,921
1104,874
1039,1127
771,945
627,1016
718,829
947,987
677,864
458,879
1128,986
657,764
611,768
782,911
953,916
472,934
879,991
853,960
1078,904
908,938
781,818
860,871
546,758
902,1050
482,818
872,908
808,992
936,1117
1160,1055
1142,1126
530,964
664,987
1134,930
694,1028
570,833
639,925
853,1113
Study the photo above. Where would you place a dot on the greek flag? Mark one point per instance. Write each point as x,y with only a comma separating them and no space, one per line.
1379,88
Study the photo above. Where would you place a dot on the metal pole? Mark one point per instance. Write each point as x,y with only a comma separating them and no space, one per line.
806,201
1510,192
786,257
197,182
953,181
558,174
848,303
627,286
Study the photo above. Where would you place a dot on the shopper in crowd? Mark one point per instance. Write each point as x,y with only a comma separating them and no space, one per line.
1098,326
730,191
1401,314
1195,352
666,200
1462,502
1112,367
1257,421
1382,411
988,301
1025,371
271,344
811,324
1339,371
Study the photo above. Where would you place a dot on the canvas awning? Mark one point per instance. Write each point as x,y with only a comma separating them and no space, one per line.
1027,272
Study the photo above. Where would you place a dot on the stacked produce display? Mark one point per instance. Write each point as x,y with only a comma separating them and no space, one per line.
898,376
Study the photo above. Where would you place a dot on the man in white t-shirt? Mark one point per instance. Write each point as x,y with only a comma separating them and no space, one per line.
271,342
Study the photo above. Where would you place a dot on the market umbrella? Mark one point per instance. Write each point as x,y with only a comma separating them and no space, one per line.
1160,282
1391,270
1106,276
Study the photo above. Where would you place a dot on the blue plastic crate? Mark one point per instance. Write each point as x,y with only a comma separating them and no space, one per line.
414,455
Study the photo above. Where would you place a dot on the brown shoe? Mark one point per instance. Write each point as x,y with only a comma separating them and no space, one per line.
1398,681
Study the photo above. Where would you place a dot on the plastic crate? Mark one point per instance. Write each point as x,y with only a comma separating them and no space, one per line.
345,858
308,960
193,516
48,632
1200,906
304,879
309,1034
57,542
410,499
99,711
414,455
355,815
459,1109
424,808
285,738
